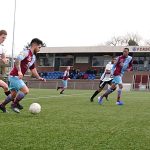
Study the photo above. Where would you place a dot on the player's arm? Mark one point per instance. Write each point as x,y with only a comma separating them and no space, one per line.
114,65
3,57
18,60
35,73
130,65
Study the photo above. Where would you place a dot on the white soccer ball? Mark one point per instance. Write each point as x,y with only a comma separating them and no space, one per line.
35,108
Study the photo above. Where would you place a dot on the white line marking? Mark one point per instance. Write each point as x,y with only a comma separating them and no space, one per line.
55,96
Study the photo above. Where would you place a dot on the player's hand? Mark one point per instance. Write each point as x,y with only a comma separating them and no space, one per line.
42,79
69,79
20,75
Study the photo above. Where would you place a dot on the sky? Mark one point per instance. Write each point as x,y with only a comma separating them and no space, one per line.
72,22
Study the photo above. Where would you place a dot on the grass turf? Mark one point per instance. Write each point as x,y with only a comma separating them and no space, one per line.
71,122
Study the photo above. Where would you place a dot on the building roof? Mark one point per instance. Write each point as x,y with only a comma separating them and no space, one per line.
94,49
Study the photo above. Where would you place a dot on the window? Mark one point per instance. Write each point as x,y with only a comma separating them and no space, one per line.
98,61
101,60
66,61
82,59
46,61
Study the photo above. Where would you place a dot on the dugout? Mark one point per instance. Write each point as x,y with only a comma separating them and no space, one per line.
94,57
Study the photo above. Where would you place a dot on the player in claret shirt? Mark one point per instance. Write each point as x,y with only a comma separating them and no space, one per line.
64,80
25,60
123,63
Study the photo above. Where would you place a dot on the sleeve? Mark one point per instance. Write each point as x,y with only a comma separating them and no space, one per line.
130,65
23,54
32,66
114,65
65,73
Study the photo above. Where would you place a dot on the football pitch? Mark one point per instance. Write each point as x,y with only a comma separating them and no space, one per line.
71,122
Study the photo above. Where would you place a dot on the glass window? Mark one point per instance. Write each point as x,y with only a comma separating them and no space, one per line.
98,61
66,61
46,61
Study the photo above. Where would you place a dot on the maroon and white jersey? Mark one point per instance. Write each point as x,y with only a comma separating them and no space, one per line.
66,75
122,64
27,59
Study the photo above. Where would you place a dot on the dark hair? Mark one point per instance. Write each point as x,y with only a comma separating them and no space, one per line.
3,32
126,49
36,41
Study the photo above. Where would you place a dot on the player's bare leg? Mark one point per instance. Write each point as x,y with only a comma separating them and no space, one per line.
5,87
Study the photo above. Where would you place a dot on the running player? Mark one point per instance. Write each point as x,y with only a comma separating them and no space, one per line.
3,61
105,79
123,63
26,59
64,80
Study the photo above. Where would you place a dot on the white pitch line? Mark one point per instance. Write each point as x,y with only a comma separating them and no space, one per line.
55,96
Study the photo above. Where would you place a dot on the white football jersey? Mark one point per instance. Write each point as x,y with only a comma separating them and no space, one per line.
107,76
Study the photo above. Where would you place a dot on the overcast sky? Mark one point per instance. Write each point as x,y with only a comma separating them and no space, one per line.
73,22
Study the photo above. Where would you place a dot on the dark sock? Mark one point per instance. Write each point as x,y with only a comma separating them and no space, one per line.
19,97
95,93
61,91
7,100
7,93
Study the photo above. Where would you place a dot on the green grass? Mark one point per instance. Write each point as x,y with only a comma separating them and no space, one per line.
71,122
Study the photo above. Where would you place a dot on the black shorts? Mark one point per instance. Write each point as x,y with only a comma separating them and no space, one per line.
103,83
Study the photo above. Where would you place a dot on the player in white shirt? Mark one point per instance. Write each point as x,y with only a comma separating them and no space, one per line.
106,78
3,60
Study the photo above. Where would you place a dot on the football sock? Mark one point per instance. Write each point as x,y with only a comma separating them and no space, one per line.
7,100
7,93
19,97
119,94
107,92
95,93
62,91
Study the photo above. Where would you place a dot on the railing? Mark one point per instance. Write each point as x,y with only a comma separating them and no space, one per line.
141,82
141,67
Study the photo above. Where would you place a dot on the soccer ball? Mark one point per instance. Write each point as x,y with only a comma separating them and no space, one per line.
35,108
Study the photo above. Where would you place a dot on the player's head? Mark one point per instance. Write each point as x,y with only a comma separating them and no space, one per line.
68,68
113,60
3,35
126,52
36,45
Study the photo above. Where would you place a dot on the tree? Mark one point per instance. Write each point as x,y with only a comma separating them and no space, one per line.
115,41
147,43
132,39
132,43
127,40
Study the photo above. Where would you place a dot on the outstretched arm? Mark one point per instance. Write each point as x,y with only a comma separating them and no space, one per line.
36,75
